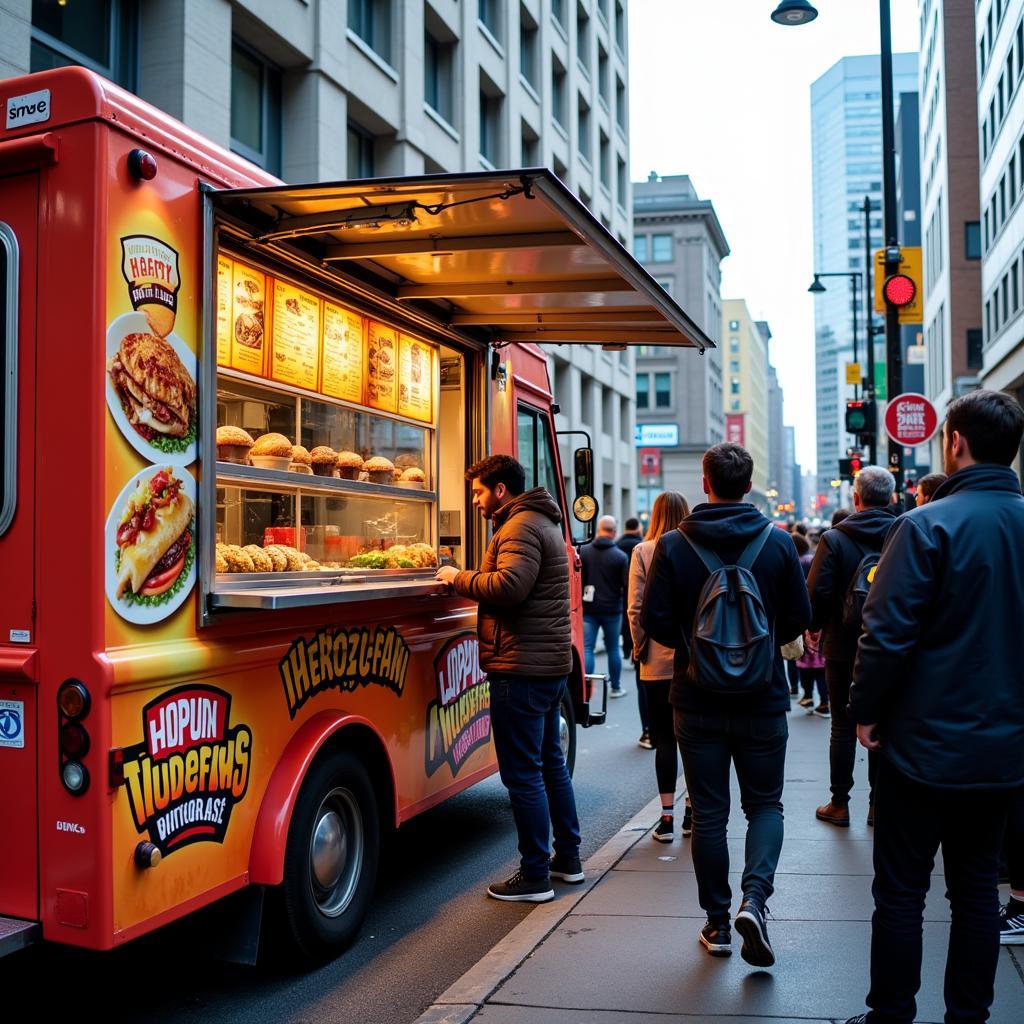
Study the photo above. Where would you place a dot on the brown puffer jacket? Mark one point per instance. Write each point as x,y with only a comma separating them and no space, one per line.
523,590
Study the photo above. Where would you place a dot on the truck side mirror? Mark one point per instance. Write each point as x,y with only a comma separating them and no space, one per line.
584,507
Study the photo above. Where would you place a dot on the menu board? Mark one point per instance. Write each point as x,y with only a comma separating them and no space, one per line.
248,306
415,379
382,367
295,342
342,354
225,270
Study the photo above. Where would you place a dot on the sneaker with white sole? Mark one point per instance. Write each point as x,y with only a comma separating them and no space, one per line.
620,692
1011,923
645,741
567,869
750,923
716,939
519,889
687,829
664,831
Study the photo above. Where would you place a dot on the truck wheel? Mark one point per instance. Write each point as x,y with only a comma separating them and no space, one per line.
330,863
567,732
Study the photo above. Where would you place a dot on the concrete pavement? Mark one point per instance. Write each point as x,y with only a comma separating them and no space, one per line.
623,948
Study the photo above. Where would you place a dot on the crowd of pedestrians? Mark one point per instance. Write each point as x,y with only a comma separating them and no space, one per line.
905,623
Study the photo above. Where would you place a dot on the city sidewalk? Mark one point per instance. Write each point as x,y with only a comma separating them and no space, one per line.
625,949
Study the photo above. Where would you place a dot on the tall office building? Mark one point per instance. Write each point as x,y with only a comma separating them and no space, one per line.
746,395
776,436
790,490
1000,50
846,152
678,238
323,90
950,220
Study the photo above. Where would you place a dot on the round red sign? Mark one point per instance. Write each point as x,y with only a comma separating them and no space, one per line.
910,419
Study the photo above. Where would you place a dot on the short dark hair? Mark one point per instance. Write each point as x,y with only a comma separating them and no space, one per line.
929,484
800,528
499,469
801,544
991,422
839,515
728,468
632,523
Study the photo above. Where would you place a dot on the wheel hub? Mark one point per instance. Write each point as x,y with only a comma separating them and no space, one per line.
329,850
336,846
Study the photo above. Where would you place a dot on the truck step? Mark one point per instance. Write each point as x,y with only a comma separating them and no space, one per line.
16,934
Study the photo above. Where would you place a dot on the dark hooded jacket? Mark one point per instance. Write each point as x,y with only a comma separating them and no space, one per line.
833,567
938,665
606,569
523,589
674,584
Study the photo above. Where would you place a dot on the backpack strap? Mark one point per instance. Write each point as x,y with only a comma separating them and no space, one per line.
755,547
711,561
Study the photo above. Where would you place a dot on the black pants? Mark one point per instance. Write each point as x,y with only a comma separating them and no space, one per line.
1015,840
811,677
659,717
911,822
842,747
757,747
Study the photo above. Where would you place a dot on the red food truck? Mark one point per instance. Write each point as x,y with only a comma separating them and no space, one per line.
235,419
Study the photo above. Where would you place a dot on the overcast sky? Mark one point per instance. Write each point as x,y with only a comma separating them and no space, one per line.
720,92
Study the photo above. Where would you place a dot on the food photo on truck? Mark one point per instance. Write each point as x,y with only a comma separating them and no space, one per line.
247,671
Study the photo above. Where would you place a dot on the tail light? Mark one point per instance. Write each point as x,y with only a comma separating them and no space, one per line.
73,703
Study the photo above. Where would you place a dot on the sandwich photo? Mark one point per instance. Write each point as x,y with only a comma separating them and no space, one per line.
157,393
155,548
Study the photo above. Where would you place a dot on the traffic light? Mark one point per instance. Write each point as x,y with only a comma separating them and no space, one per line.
849,468
860,417
899,290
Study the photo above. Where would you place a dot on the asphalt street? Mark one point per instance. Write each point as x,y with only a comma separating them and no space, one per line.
430,921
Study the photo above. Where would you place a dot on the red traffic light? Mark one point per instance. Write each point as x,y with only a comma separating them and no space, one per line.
856,465
899,290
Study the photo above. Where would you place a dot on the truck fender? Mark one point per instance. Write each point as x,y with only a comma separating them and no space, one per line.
266,857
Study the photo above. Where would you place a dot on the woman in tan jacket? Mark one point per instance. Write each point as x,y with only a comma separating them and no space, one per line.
655,663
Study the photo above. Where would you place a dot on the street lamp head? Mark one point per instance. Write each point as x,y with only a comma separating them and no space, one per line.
794,12
816,286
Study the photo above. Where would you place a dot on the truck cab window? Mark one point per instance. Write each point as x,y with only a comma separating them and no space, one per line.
536,450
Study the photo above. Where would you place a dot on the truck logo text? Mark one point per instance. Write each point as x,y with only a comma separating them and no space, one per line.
343,659
190,770
459,721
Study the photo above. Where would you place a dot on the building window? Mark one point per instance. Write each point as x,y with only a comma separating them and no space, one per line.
583,130
603,74
661,248
734,343
620,103
972,240
558,111
531,147
643,391
621,182
438,76
734,386
605,158
489,13
734,405
583,36
371,21
663,390
490,126
620,26
529,36
255,108
734,366
974,346
100,36
360,143
640,247
665,283
558,11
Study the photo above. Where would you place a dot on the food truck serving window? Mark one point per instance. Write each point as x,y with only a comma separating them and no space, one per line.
8,375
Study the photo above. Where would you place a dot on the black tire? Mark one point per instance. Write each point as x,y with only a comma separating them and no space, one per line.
567,732
324,906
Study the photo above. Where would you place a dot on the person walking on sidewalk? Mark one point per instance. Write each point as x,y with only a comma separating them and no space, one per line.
1011,914
631,537
654,666
526,650
840,553
927,486
605,575
938,690
754,567
810,664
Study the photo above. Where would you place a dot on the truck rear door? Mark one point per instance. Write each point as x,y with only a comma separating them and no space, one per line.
19,200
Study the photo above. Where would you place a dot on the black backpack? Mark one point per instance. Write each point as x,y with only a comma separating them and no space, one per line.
859,587
732,647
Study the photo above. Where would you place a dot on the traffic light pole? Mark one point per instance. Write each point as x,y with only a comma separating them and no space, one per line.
869,354
893,355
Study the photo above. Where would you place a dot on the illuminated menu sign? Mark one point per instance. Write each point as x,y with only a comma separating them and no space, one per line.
382,367
415,379
295,343
225,270
342,354
248,309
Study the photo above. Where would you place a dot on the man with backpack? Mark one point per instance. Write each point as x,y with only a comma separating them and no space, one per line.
726,590
838,584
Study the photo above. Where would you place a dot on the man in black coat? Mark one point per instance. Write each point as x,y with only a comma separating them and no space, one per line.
938,688
840,551
716,730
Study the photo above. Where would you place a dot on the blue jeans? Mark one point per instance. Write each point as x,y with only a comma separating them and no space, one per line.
524,723
612,627
756,746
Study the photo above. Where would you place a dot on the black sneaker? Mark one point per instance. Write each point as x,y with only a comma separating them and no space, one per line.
568,869
822,711
716,939
522,890
687,828
665,830
1011,923
750,923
